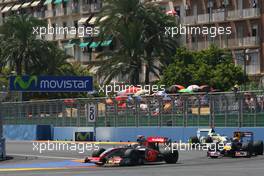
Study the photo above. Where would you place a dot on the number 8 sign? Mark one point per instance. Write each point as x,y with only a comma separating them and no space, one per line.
91,113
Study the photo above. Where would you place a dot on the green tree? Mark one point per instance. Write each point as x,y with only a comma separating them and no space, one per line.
25,52
138,28
56,56
212,67
157,46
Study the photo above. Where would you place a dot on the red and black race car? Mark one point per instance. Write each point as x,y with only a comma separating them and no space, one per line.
153,149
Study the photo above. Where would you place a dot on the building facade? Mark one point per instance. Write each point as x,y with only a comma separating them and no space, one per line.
62,14
244,17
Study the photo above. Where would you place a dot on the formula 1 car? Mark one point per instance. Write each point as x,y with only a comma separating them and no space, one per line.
153,149
207,135
242,145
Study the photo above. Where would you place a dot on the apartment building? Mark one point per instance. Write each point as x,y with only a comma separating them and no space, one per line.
245,17
83,46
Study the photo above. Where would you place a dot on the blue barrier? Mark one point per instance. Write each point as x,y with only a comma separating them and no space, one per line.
46,132
176,134
20,132
28,132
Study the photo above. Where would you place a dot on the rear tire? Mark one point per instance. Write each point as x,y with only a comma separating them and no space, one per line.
98,152
194,140
258,147
208,140
248,147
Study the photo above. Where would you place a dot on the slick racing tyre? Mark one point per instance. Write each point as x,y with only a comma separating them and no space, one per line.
169,156
208,140
194,140
133,155
258,147
98,152
248,146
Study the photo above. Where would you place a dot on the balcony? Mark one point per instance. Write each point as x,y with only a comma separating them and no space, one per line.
48,13
189,20
95,7
220,16
203,18
59,12
86,8
49,37
39,15
75,9
229,43
251,13
60,36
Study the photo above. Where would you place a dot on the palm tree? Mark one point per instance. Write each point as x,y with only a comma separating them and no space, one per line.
125,28
20,47
157,46
25,52
54,62
138,29
127,59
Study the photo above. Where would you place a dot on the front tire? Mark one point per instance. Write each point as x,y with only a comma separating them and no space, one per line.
169,156
98,152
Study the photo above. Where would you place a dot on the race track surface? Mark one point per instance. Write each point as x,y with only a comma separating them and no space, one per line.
27,162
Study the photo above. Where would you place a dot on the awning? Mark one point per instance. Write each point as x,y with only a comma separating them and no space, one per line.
57,1
103,18
25,5
15,7
83,45
6,9
83,20
106,43
35,3
94,44
92,21
47,2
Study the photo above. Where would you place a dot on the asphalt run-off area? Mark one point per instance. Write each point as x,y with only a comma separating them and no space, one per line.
23,160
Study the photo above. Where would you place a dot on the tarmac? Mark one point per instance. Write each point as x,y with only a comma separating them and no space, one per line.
26,161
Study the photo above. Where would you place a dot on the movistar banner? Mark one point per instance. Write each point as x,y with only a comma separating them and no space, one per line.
51,83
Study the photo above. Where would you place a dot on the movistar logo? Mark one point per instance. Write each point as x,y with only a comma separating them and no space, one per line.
25,84
82,137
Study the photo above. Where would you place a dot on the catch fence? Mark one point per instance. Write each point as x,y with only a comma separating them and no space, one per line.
228,109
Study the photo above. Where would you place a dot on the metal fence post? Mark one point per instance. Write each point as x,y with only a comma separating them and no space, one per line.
211,123
185,111
116,113
240,109
226,110
199,111
160,113
78,120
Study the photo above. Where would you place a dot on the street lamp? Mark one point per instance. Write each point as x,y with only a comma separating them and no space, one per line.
210,5
245,61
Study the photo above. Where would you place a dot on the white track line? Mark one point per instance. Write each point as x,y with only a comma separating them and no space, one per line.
42,156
